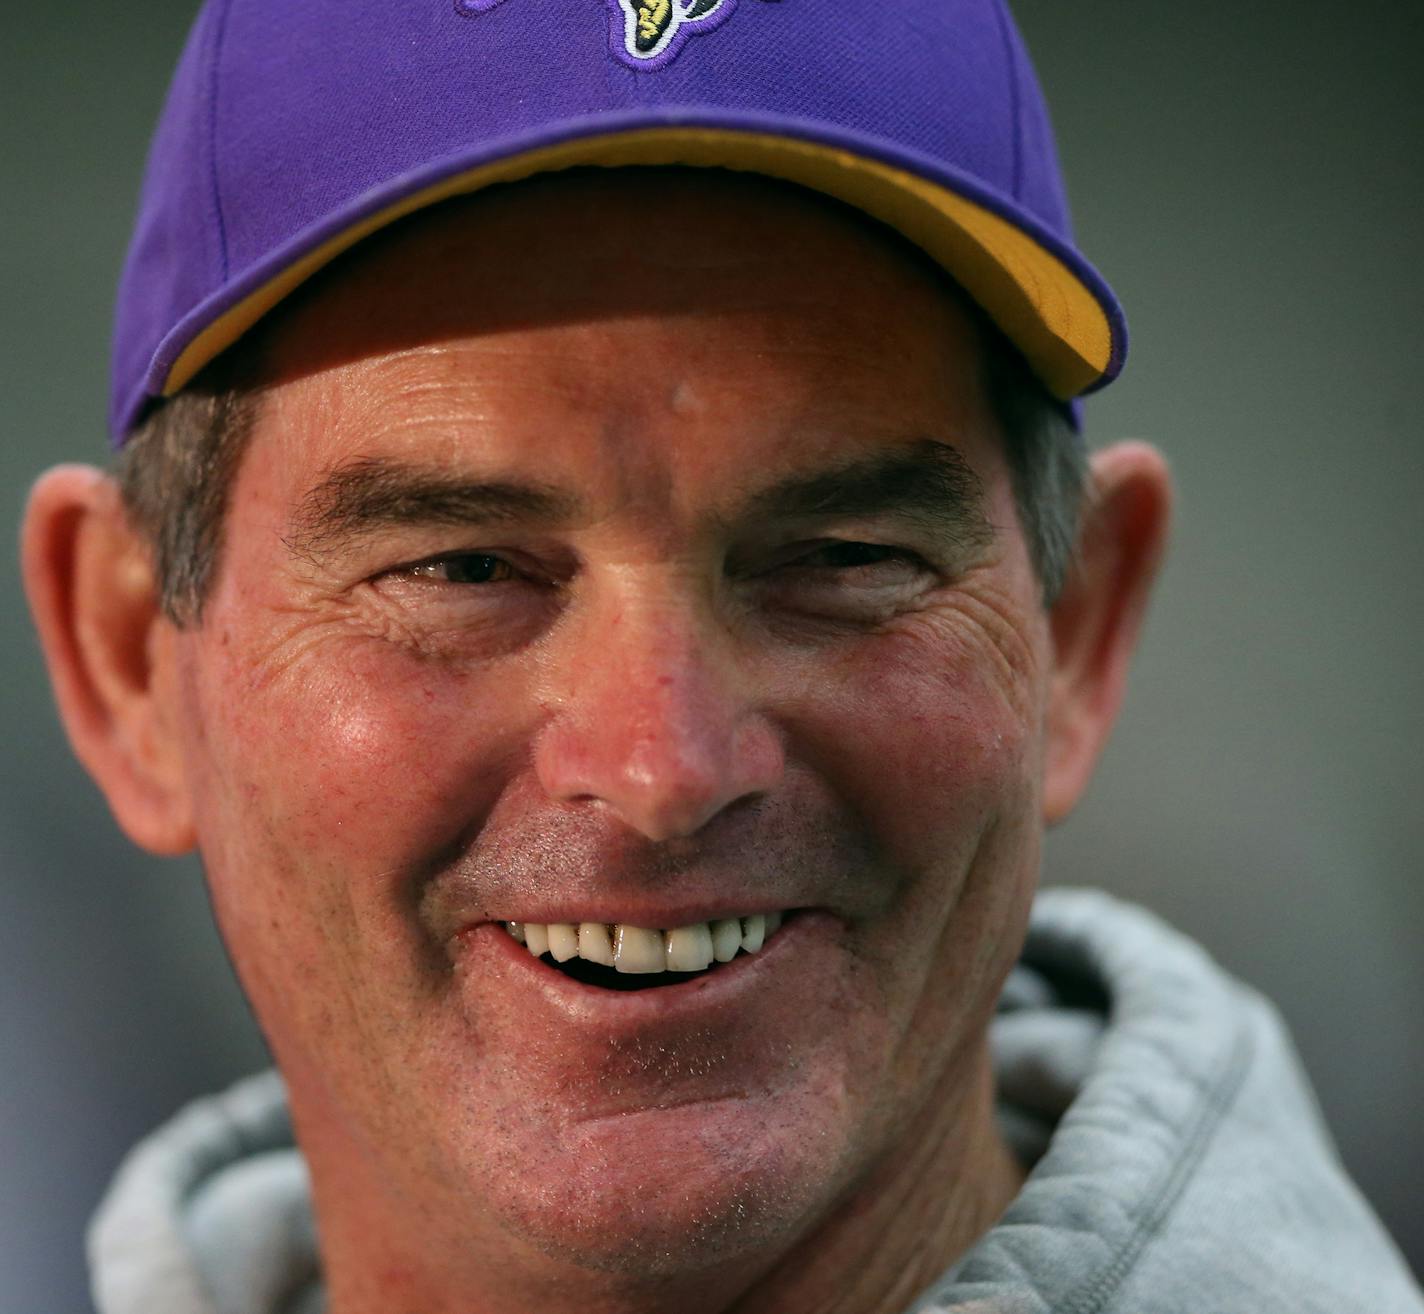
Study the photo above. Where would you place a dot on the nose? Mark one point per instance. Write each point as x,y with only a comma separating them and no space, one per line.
657,724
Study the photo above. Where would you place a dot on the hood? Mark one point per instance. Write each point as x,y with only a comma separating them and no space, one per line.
211,1215
1180,1160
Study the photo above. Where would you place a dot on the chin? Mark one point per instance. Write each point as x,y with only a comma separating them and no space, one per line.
665,1192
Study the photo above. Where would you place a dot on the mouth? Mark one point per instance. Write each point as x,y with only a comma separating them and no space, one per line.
618,956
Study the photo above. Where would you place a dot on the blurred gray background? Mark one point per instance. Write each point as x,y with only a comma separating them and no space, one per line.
1249,178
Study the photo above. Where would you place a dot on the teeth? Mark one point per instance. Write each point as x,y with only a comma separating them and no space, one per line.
726,939
563,940
636,949
689,948
595,944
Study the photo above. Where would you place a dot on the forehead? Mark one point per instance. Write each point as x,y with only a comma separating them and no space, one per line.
609,296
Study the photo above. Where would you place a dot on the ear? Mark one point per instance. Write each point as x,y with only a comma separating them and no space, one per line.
1098,615
110,651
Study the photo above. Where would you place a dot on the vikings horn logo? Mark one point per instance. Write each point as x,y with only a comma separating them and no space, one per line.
656,28
646,33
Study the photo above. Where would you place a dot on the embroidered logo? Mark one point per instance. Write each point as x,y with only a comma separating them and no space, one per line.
648,34
653,31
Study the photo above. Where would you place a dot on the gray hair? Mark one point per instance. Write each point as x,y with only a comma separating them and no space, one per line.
174,475
1048,461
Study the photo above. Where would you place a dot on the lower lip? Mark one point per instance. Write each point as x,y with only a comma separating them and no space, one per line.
490,949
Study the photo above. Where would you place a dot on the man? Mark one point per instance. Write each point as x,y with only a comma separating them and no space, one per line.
615,637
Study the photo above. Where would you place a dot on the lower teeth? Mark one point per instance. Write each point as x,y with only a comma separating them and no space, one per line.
596,974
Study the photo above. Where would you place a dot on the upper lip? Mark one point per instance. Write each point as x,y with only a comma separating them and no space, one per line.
661,917
546,865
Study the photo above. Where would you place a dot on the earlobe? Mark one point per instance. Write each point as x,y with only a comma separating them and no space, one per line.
110,651
1097,618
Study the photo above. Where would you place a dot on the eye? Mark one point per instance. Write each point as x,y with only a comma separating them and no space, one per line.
852,556
465,568
849,563
466,603
845,579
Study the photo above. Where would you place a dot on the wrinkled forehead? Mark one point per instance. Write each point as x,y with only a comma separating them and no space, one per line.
593,246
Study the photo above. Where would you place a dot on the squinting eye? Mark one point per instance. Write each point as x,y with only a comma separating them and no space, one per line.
847,556
466,568
845,580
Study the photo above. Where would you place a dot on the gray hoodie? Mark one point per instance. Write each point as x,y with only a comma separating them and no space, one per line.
1179,1164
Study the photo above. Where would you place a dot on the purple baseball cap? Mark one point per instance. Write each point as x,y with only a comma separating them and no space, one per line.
294,128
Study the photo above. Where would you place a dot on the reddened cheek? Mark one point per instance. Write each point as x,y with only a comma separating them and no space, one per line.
364,757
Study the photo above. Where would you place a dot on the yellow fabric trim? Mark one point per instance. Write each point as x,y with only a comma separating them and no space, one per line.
1036,300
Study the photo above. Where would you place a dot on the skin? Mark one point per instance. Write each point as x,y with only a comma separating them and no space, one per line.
659,704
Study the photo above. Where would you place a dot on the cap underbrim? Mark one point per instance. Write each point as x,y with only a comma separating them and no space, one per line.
1044,297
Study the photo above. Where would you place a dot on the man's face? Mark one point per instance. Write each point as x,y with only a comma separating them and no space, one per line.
541,601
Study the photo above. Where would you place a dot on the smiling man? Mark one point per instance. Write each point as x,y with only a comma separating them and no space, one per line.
612,635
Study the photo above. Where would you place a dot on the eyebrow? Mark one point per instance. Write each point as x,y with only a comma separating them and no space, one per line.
365,495
926,482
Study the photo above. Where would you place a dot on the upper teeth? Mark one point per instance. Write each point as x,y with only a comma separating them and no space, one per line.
638,949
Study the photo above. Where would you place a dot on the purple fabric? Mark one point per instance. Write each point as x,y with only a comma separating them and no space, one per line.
286,121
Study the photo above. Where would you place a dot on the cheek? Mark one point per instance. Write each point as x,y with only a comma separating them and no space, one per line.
926,742
342,777
941,761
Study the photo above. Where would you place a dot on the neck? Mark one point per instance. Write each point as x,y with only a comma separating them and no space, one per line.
899,1227
923,1207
